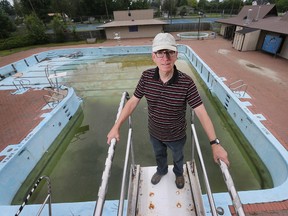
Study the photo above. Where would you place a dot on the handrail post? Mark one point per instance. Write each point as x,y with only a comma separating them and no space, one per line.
108,164
48,197
122,194
192,141
209,193
227,178
105,177
231,188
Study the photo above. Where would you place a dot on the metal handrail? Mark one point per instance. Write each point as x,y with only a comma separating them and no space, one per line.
226,175
53,98
47,73
51,101
195,143
108,165
22,84
207,185
240,87
129,148
231,188
48,197
231,84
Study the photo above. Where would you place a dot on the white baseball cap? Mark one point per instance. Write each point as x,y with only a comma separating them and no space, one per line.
164,41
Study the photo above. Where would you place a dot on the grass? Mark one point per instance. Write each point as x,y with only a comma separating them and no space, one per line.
16,50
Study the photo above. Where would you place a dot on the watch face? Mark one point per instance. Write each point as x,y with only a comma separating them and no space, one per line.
216,141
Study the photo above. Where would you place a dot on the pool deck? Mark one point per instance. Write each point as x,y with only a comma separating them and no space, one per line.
265,75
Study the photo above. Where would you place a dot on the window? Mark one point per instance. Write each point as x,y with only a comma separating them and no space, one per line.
133,28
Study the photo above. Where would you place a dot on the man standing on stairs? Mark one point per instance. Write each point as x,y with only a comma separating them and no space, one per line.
168,91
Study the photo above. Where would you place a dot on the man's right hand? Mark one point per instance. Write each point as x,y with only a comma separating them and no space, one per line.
114,133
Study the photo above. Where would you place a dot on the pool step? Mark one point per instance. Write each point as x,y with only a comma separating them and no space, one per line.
164,198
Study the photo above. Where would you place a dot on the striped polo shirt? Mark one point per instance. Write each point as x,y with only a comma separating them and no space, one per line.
167,102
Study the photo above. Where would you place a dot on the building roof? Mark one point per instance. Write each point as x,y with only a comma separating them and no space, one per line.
273,24
247,30
132,18
133,23
263,17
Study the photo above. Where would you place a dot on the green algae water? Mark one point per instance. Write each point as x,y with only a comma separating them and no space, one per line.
76,168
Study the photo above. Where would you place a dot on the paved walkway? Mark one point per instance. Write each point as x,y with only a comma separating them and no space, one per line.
265,75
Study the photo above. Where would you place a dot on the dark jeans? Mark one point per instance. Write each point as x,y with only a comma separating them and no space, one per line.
160,151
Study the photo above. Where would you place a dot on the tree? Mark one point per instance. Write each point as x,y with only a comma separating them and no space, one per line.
38,7
7,7
36,29
169,6
183,11
282,5
7,26
59,28
192,3
202,5
182,3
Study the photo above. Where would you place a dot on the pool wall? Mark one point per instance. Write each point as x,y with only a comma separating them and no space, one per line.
271,152
31,149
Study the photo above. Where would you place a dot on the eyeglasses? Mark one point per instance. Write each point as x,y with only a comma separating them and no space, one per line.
162,53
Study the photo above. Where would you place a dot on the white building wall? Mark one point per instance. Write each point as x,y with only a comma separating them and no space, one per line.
143,31
250,42
284,51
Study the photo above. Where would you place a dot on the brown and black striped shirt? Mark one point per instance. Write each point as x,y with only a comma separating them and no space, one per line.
167,102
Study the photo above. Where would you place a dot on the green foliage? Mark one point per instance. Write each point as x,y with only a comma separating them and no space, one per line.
202,4
192,3
182,3
183,11
36,29
16,41
59,28
170,7
74,33
139,5
7,26
7,7
282,5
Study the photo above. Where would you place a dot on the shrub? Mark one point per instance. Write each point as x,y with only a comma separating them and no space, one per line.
16,41
36,29
6,26
59,28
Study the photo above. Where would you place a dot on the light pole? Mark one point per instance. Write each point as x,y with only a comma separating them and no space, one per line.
198,27
105,3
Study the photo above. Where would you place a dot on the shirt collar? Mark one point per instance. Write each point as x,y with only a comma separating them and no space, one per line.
173,79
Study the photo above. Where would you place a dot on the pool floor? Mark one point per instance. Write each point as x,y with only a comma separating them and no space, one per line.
100,82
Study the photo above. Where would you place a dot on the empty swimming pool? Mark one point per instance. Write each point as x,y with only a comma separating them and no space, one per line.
100,81
261,140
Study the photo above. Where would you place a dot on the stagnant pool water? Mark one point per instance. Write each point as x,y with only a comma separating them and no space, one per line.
76,169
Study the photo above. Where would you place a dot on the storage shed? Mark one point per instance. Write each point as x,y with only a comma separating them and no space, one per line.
258,27
246,38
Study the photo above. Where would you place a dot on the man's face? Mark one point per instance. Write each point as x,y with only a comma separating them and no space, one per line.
165,59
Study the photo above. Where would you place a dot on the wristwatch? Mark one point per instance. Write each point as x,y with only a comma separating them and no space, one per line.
216,141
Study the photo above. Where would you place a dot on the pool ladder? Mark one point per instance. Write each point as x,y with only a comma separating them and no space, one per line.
47,199
21,85
134,174
239,88
47,73
54,97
